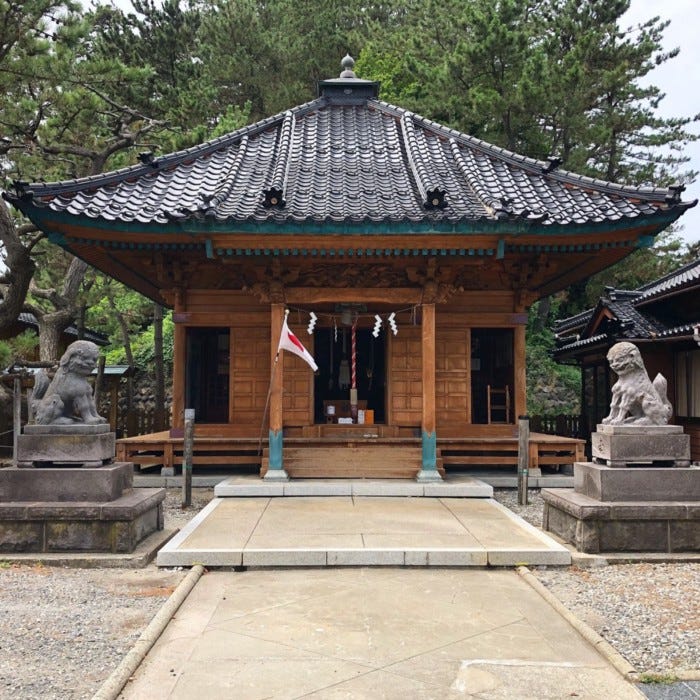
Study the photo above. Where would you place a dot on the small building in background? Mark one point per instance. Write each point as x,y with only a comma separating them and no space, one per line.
662,319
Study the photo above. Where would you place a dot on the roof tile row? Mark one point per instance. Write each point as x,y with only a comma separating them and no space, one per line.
329,161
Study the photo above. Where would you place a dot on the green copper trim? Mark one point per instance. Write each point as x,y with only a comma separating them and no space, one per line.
351,252
275,444
45,217
429,450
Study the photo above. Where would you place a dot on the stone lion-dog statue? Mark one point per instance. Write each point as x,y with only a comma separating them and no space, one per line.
635,399
67,399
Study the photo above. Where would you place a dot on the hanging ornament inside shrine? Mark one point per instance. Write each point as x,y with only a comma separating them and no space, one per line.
344,370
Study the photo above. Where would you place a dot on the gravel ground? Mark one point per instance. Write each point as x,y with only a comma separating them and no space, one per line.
649,612
62,631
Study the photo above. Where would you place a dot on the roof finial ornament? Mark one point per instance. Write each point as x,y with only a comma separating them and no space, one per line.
347,64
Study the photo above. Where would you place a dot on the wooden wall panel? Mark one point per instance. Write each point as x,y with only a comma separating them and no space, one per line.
250,375
452,381
297,397
214,301
405,395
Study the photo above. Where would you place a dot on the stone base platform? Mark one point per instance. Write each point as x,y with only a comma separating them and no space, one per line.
79,445
595,526
648,483
63,484
76,510
624,445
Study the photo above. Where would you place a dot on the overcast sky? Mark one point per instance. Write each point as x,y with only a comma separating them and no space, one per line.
679,78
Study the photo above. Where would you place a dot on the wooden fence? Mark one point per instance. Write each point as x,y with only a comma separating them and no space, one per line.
573,426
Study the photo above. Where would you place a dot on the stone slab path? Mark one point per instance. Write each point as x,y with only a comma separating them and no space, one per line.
357,633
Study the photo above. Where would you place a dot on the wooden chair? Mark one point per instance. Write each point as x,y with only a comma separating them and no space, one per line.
498,404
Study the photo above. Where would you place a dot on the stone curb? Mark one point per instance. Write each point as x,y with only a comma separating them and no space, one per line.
118,678
687,675
621,665
605,648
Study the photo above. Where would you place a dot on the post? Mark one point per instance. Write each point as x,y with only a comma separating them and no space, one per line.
99,381
16,417
523,458
187,451
275,469
428,471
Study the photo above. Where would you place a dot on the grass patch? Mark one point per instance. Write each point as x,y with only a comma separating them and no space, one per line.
659,678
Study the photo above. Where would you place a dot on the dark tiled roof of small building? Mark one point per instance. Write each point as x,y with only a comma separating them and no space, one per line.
631,320
349,158
95,336
674,281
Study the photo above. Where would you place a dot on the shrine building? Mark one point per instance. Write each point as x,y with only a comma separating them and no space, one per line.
411,251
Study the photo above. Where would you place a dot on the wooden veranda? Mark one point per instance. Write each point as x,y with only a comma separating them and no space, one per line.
337,456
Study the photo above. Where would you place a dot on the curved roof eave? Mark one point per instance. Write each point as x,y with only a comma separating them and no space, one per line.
48,219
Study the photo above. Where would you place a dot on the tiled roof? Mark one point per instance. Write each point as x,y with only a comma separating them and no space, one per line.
348,158
678,279
632,321
95,336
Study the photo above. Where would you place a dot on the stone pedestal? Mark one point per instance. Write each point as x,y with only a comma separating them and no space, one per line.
65,509
623,445
632,504
47,445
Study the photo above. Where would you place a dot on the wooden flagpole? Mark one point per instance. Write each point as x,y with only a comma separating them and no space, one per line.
267,402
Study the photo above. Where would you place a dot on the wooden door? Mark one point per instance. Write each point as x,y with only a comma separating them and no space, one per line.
405,379
250,372
452,380
207,373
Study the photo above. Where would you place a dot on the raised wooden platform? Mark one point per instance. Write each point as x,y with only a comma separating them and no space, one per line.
351,451
347,457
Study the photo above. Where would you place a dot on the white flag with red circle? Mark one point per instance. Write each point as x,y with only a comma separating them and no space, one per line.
288,341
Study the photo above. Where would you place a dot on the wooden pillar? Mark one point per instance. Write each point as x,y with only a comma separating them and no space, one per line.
113,404
428,470
520,389
275,470
179,359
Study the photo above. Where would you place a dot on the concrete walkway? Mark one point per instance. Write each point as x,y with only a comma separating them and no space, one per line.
372,633
355,530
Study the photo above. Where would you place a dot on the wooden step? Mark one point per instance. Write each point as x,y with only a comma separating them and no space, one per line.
353,461
349,431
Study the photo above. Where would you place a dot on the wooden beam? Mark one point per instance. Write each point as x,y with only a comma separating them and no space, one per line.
298,241
388,295
447,319
220,318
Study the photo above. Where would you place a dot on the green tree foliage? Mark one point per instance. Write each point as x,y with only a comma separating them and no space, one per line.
142,347
271,55
540,77
552,389
21,347
180,88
